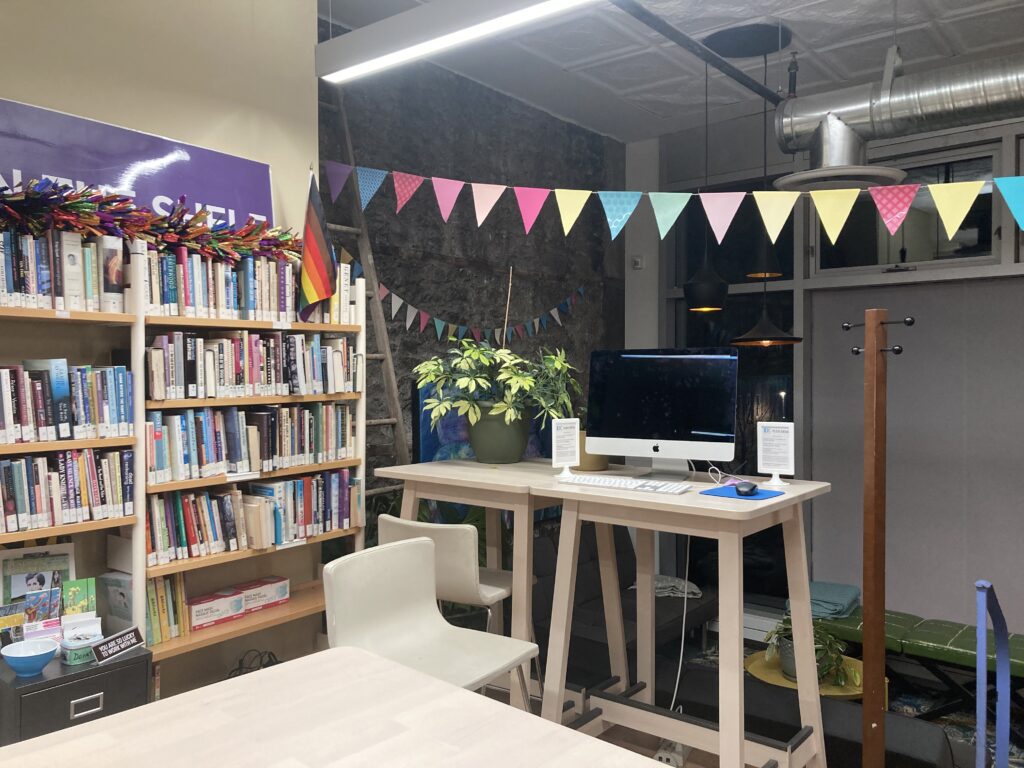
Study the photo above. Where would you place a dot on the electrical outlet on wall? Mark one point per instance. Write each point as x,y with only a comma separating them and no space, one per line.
638,262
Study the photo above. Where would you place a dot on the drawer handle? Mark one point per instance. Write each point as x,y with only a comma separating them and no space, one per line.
96,697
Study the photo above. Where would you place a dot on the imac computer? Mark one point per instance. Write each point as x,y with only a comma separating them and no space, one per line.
667,405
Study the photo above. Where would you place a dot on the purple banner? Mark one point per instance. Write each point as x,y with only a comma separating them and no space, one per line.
38,143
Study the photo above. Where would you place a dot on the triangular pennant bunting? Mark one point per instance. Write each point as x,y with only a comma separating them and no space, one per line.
410,315
953,201
424,319
554,314
580,290
521,331
543,319
536,325
357,270
369,180
667,206
720,208
484,198
775,208
475,333
406,185
439,328
337,175
382,291
396,303
833,207
564,307
893,203
497,336
509,333
618,207
447,192
530,329
1012,190
531,200
570,203
461,332
452,328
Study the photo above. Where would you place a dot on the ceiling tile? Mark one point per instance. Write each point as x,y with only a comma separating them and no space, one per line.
862,59
999,28
827,23
645,68
581,39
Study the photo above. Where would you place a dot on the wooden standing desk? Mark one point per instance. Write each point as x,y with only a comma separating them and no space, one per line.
340,708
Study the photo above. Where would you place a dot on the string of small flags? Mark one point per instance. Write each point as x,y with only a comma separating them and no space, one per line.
952,201
419,320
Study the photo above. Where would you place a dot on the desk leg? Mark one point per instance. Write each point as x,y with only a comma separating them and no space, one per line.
609,566
731,731
645,613
561,612
803,632
410,501
492,525
522,586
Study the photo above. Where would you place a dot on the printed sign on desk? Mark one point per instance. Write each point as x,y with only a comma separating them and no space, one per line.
565,443
775,452
115,645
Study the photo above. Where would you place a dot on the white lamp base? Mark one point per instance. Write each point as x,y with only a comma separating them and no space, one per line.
775,482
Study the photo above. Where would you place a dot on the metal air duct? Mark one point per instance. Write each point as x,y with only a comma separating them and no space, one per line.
837,125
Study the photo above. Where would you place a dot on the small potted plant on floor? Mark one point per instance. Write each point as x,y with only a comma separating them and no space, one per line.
828,652
499,392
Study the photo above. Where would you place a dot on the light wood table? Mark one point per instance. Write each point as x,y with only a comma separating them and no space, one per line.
728,521
340,708
495,488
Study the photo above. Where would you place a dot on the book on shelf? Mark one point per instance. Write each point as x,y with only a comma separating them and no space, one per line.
183,525
46,399
66,487
186,365
197,443
60,271
180,283
166,609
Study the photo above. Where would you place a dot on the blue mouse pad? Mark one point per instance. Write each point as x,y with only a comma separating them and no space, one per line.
729,492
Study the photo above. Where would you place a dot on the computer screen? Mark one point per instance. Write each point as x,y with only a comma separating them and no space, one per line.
670,403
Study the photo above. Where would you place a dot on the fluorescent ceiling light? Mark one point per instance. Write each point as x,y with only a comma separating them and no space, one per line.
425,31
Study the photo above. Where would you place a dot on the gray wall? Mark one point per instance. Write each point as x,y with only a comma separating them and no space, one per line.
956,426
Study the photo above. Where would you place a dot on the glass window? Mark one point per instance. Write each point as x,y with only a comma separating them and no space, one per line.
865,241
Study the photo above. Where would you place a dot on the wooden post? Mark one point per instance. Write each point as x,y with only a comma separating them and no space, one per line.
874,704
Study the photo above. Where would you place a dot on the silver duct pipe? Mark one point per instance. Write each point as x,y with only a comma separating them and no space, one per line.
836,125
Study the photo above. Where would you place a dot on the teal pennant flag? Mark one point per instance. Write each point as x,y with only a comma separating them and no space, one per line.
667,207
1012,190
439,327
618,207
369,180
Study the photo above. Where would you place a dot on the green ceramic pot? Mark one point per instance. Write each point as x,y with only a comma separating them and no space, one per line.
494,441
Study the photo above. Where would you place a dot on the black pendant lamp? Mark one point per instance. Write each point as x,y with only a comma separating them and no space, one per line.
706,291
765,333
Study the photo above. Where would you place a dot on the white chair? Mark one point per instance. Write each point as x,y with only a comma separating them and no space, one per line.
460,579
384,600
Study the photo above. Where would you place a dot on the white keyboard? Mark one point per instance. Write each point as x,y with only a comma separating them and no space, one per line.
626,483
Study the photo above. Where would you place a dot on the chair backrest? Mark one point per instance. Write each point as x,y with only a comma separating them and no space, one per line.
456,554
378,598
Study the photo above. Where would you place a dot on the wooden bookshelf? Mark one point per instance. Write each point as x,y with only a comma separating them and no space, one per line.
215,402
67,530
192,563
160,321
44,446
244,477
26,314
306,600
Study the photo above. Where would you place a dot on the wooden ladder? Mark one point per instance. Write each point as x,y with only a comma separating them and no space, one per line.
394,421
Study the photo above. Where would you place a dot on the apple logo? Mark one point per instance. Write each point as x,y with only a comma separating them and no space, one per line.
656,448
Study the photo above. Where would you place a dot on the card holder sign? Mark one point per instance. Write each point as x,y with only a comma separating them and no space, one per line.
115,645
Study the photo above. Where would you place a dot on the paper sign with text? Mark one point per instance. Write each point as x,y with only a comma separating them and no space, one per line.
775,452
565,442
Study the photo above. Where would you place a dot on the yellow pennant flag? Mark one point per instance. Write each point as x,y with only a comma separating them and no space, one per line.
570,203
953,201
775,208
833,207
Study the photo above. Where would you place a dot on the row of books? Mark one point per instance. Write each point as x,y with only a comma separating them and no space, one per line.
184,525
66,487
49,400
184,284
205,442
184,365
166,609
61,271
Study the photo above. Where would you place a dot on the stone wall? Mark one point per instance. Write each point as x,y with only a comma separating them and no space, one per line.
425,120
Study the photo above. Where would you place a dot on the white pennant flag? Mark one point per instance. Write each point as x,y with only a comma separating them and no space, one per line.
536,325
410,315
396,302
554,314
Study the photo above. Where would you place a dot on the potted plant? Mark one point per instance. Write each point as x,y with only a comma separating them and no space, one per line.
499,392
828,652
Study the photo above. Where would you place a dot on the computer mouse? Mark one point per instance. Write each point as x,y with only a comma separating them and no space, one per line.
746,488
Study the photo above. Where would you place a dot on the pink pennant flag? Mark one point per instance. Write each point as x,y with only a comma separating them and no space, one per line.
720,208
484,198
447,191
893,203
406,185
531,200
382,291
521,330
476,333
424,319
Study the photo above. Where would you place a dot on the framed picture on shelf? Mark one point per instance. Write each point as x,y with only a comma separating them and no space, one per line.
33,569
